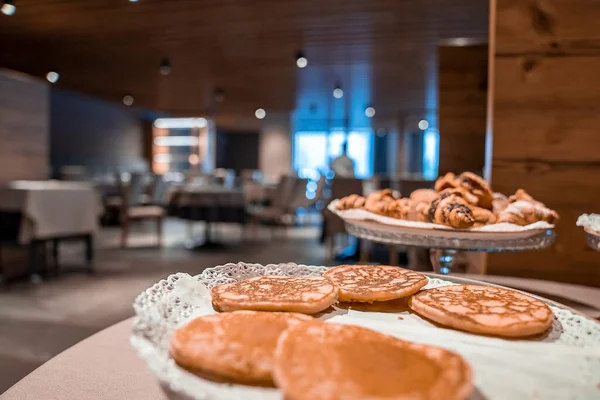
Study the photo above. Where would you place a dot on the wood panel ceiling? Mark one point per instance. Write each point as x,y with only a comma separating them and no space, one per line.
109,48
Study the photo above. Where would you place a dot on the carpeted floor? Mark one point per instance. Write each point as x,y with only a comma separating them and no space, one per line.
39,321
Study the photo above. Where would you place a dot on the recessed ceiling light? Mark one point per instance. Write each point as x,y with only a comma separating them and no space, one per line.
260,113
133,1
423,124
370,112
52,76
165,67
128,100
219,95
338,93
301,60
8,7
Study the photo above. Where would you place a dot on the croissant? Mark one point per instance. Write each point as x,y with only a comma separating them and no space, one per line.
522,195
525,213
452,210
464,193
447,181
482,216
375,198
479,187
399,208
349,202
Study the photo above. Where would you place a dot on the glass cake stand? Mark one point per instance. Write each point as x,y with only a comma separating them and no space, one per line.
593,238
449,246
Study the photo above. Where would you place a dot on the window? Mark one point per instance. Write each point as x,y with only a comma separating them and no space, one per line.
431,154
314,151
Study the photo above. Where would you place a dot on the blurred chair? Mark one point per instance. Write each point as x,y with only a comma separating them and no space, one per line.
278,213
134,211
225,177
332,224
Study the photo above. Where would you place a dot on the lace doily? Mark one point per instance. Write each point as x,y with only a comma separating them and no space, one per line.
364,215
564,363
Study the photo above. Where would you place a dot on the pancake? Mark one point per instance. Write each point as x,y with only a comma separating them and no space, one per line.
323,361
308,295
484,309
237,347
368,283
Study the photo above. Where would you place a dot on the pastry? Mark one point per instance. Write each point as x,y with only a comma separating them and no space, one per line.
395,209
423,195
499,203
479,187
307,294
350,202
482,216
525,213
522,195
484,309
368,283
448,181
235,347
419,212
452,210
326,361
469,197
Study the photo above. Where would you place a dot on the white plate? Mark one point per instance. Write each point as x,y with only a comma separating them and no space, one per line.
564,363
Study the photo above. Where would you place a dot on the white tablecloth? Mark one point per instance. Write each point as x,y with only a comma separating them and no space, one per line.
51,208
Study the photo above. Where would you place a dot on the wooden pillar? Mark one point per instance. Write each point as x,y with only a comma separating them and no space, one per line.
462,107
545,134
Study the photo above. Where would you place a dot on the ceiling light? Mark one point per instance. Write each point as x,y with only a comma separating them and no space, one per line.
128,100
8,7
301,60
133,1
338,92
194,159
423,124
165,67
171,141
52,76
219,95
260,113
180,123
370,112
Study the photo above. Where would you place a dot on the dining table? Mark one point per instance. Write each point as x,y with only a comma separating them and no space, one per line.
208,203
33,213
101,367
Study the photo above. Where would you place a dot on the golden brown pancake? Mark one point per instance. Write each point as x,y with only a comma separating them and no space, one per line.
484,309
238,346
368,283
308,295
323,361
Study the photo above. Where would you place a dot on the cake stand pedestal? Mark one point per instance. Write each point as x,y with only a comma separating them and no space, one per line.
443,261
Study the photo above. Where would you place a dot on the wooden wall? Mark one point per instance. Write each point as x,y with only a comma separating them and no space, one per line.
546,125
24,127
462,107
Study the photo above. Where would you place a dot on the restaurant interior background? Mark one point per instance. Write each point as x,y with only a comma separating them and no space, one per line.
246,103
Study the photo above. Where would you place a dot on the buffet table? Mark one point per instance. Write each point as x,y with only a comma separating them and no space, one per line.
103,366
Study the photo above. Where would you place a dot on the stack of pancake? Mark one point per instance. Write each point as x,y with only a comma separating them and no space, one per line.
263,336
